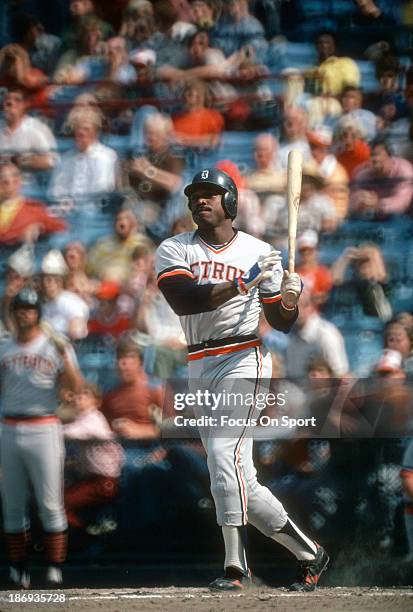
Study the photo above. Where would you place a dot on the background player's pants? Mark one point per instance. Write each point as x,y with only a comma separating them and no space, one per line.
238,496
32,454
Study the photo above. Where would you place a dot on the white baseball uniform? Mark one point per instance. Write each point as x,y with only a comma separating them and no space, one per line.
32,450
224,348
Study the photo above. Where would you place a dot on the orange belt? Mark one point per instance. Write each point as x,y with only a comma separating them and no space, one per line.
38,420
223,346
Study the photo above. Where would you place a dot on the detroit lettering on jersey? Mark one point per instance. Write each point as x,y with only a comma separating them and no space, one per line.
214,271
31,362
189,255
29,375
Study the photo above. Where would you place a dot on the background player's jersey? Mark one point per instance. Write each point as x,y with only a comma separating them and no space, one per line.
29,377
187,254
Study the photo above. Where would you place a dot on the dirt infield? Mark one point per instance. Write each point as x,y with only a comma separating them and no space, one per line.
196,599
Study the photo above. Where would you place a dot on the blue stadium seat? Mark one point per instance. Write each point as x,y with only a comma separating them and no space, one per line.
239,148
363,350
368,80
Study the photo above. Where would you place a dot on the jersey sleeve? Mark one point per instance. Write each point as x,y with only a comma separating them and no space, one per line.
170,260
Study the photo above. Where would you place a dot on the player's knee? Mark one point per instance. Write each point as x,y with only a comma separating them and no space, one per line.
222,485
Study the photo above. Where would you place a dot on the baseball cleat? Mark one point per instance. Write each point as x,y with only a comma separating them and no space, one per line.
310,571
231,583
54,576
19,577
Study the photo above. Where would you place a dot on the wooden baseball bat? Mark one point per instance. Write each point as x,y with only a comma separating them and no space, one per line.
294,177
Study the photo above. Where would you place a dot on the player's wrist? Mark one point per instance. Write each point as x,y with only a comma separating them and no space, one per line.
288,307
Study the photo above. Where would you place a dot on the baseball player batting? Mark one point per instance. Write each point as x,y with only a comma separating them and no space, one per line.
32,452
218,279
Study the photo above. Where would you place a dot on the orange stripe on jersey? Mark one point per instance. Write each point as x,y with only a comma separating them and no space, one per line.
212,352
39,420
175,273
271,300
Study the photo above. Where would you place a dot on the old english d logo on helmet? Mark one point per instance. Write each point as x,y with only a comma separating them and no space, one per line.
224,184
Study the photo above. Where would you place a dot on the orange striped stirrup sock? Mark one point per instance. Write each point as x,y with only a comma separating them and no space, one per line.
17,545
55,546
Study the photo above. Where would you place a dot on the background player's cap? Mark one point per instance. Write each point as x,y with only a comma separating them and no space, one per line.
27,298
54,263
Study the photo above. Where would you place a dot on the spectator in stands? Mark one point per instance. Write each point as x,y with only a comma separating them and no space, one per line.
167,46
108,318
294,135
87,48
28,140
383,186
22,219
334,174
65,311
18,274
128,408
113,67
389,101
111,257
90,168
316,277
249,215
198,125
17,71
369,278
99,457
141,269
156,319
239,29
205,62
81,12
398,338
352,104
392,398
333,73
267,178
156,175
138,24
317,210
351,146
43,48
314,336
77,280
204,13
255,106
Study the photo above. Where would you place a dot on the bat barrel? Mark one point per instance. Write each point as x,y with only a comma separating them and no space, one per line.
294,177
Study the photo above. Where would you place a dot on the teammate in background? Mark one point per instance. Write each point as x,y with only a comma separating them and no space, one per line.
203,277
32,365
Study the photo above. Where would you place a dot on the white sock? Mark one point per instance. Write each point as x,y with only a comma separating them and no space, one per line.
235,555
296,542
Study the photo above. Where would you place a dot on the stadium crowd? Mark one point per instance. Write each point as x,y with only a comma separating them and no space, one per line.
107,110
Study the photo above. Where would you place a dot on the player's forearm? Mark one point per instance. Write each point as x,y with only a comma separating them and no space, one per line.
187,298
279,317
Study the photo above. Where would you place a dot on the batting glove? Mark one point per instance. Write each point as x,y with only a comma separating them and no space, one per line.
262,270
291,287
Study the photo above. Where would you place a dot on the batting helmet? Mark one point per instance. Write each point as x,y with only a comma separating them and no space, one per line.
27,298
220,179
